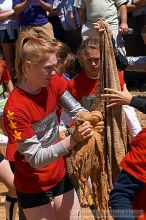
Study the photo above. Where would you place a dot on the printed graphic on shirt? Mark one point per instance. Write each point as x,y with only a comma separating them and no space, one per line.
47,129
13,126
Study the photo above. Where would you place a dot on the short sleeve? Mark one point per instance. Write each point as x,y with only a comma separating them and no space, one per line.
17,125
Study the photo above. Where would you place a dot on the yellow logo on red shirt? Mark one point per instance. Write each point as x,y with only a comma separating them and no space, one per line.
13,125
17,135
10,115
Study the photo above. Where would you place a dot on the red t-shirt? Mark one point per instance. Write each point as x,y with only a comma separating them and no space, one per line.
21,112
135,160
82,85
135,163
4,73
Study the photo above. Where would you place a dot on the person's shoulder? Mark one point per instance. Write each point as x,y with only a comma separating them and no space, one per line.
14,98
58,83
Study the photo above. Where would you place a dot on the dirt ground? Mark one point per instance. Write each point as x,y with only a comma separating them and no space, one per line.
3,190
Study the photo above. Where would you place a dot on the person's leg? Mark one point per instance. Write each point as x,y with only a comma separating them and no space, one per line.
122,194
44,212
7,177
20,213
67,206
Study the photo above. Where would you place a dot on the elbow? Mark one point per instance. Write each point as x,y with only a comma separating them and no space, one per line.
16,11
49,8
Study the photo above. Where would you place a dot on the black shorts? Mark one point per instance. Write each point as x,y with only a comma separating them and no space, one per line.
1,157
31,200
4,36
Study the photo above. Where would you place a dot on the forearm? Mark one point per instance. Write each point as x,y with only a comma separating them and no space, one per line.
38,156
45,6
134,6
7,14
20,7
131,7
123,14
132,121
10,86
139,103
70,105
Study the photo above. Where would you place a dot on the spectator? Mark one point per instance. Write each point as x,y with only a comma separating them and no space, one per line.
8,33
129,189
55,20
136,20
83,87
70,23
33,17
92,11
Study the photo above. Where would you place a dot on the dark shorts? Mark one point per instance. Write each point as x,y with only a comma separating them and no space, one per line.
4,36
31,200
1,157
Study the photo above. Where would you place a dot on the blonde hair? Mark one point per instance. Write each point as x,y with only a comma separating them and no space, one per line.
66,59
30,48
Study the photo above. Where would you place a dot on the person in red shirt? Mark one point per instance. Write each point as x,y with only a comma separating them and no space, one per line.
83,86
126,194
31,123
130,189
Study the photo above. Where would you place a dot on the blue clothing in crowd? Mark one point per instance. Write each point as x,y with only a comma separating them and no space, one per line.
33,14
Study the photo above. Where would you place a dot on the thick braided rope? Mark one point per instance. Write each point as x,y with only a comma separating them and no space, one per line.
115,137
87,160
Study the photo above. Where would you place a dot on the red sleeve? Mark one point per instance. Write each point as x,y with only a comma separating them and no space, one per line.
121,79
5,74
18,127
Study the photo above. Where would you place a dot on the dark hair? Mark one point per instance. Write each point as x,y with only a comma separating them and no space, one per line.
66,59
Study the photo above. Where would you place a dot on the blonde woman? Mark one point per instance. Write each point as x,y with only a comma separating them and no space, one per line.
43,188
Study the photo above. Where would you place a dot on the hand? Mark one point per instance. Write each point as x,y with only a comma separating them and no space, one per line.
123,28
114,97
99,127
82,132
101,30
